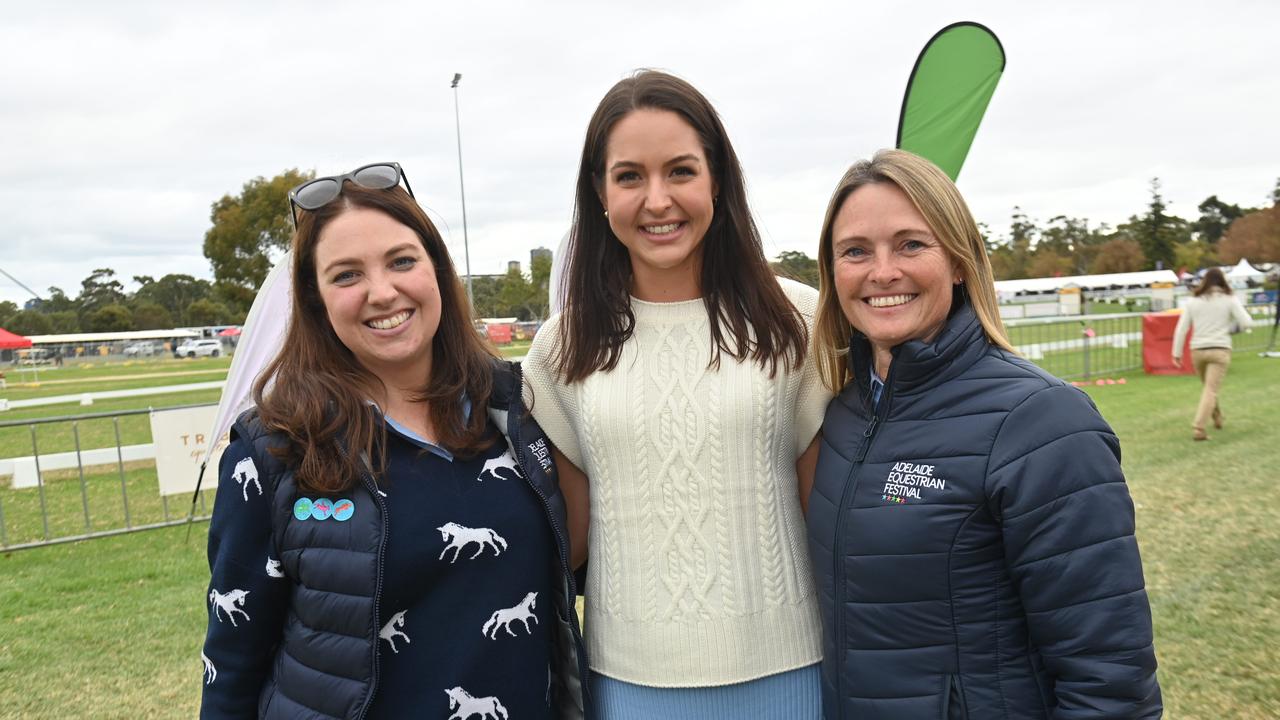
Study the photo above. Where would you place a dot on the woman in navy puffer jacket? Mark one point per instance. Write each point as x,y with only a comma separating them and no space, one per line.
971,531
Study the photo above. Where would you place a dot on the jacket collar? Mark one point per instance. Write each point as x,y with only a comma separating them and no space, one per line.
918,365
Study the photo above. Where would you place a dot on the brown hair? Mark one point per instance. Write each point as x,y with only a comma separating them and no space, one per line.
317,393
749,314
938,200
1213,278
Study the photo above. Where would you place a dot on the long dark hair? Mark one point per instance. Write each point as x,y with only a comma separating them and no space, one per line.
1213,278
316,392
749,314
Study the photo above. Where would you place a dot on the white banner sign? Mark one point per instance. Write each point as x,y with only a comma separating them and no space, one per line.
180,441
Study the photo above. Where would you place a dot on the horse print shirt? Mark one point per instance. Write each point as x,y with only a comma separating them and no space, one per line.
466,600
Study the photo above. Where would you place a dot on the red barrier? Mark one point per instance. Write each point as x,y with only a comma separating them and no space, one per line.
499,333
1157,345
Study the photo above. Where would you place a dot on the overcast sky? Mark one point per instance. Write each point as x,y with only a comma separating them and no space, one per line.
121,123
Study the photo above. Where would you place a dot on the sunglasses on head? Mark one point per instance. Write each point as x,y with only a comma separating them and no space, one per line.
315,194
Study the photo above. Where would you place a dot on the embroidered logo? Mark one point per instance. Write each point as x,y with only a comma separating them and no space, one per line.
542,453
911,481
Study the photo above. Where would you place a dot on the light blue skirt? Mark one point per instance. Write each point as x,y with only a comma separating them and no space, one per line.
791,695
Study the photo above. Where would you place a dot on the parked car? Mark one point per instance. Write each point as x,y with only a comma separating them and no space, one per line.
198,348
35,356
141,349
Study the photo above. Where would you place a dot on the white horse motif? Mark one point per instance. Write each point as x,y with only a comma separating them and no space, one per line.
389,631
230,603
505,460
523,612
467,706
246,472
273,568
459,536
210,672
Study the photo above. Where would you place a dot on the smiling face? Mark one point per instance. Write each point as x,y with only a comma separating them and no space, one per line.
380,293
892,276
659,194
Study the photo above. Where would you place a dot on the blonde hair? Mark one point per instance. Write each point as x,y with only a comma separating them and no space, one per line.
939,202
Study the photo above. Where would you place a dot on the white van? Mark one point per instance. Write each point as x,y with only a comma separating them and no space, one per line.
198,348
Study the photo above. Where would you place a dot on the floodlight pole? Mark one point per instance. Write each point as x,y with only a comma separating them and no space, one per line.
19,284
466,244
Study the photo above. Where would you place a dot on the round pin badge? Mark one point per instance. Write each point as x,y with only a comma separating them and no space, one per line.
322,508
343,510
302,508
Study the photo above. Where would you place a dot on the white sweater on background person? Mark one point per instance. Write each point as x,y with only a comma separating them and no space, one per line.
1209,318
699,572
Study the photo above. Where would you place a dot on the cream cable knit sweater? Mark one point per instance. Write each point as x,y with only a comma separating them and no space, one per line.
699,573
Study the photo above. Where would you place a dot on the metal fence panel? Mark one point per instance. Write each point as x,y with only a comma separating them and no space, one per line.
87,501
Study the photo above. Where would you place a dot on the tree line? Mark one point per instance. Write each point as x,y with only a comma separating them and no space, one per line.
1156,239
249,231
102,305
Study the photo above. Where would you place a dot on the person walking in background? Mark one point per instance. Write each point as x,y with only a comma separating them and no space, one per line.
971,531
678,378
1212,315
382,546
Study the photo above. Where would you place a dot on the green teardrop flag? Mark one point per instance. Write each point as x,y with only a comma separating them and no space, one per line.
948,92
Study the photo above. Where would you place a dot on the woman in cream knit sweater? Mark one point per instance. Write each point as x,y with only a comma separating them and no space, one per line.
1209,317
678,380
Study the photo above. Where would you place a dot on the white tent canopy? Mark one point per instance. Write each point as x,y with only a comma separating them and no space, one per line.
124,335
1244,271
1085,282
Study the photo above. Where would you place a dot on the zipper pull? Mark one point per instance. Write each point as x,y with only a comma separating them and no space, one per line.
866,438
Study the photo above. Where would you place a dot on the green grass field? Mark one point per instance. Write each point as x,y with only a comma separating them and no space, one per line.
103,493
76,371
78,378
112,628
1209,537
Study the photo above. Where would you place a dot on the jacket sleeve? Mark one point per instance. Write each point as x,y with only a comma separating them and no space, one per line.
1067,522
248,594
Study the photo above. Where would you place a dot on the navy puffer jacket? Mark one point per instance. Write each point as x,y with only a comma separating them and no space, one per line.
972,538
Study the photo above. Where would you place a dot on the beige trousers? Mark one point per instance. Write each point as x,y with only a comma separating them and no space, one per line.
1211,365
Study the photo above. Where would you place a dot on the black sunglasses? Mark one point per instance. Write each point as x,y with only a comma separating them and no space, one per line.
315,194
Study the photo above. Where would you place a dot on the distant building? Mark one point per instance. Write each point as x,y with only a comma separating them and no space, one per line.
513,265
539,252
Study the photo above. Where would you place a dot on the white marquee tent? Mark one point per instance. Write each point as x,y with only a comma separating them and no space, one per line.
1244,272
1109,281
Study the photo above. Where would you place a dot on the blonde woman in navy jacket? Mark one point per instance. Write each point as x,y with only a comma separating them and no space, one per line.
970,527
